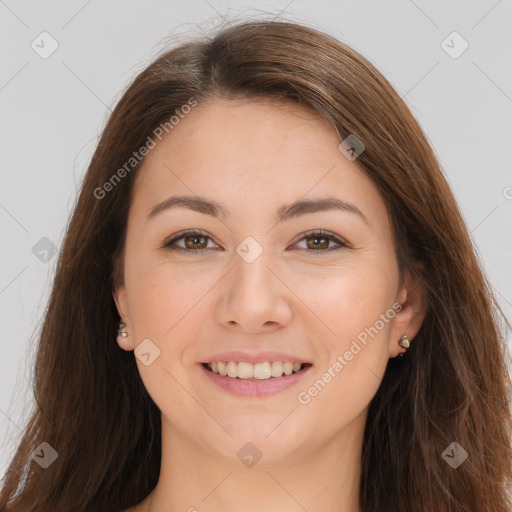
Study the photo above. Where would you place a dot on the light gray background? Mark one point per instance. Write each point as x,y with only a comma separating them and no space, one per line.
53,110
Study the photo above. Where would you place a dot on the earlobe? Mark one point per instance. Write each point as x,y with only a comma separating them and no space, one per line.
124,340
124,337
409,319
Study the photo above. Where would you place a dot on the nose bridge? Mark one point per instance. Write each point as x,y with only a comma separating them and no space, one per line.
254,295
251,270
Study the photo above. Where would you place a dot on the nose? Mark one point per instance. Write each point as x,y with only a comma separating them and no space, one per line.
254,297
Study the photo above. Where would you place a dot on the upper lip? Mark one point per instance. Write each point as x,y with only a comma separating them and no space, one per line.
259,357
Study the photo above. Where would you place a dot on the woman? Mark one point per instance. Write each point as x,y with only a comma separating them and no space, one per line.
266,299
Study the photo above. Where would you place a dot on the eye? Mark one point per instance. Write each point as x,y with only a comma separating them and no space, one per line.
320,240
196,241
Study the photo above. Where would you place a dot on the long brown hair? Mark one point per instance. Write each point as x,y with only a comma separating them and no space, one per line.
452,386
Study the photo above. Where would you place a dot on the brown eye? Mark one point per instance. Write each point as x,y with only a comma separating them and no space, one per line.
318,242
195,241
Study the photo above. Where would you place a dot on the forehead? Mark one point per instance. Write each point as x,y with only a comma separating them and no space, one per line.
232,130
251,154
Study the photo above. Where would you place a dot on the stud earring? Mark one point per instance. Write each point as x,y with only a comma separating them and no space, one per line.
120,331
404,341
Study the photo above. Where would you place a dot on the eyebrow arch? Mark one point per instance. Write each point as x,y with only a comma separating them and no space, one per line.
286,212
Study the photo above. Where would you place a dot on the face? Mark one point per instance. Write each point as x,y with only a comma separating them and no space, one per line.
258,279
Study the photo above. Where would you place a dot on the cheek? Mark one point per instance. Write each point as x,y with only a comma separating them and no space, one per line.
160,294
354,309
162,301
347,298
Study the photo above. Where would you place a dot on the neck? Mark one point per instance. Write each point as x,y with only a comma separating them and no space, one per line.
318,477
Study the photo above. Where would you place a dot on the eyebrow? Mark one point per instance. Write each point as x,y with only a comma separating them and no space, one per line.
284,213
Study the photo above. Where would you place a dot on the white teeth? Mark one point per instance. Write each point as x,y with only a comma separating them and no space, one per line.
261,371
222,368
245,371
288,368
277,369
232,369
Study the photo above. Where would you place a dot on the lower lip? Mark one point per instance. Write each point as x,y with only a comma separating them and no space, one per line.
256,388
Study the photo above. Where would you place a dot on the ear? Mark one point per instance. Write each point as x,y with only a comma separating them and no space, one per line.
410,318
121,300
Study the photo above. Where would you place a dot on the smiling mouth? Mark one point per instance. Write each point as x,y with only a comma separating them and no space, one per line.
255,372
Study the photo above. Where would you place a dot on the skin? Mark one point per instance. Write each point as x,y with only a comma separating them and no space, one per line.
255,157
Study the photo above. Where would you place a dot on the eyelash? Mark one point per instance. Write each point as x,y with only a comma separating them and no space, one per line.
318,233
